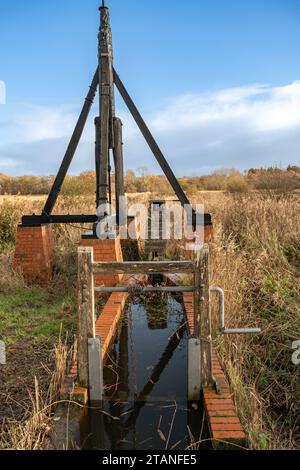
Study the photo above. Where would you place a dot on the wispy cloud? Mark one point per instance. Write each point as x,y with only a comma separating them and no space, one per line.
254,125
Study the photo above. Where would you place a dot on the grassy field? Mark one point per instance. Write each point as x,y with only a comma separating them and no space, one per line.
255,259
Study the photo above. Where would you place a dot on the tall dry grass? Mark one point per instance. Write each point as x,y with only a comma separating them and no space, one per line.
32,433
255,259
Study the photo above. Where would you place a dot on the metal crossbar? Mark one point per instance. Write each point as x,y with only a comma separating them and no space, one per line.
142,289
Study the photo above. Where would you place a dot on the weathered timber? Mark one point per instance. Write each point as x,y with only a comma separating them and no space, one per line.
151,141
70,152
104,152
197,292
106,101
97,158
144,267
108,129
202,313
86,310
119,167
38,220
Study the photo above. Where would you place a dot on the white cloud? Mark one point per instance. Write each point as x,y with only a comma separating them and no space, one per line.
38,123
254,125
259,108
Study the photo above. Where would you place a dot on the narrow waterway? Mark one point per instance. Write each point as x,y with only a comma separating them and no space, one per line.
146,404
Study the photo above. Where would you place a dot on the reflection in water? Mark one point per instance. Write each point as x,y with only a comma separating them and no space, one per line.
146,387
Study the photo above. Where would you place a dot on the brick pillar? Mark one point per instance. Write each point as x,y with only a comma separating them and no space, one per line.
131,248
105,250
34,253
208,234
208,238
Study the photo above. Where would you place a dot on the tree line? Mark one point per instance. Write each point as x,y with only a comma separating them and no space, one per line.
273,179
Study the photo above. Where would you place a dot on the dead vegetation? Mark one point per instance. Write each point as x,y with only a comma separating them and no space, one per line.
256,260
31,432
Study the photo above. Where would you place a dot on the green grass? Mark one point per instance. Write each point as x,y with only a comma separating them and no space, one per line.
36,313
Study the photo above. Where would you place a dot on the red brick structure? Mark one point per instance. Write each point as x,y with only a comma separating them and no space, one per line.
208,235
34,253
225,426
105,251
106,328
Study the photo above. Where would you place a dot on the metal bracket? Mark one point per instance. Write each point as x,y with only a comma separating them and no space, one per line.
217,386
221,327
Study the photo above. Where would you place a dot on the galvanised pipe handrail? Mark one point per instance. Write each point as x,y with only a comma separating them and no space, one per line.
229,331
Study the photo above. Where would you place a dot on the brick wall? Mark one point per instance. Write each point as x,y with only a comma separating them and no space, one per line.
208,236
224,424
34,253
107,328
105,251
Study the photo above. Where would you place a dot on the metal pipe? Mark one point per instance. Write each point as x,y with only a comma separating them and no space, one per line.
221,296
221,327
241,331
121,289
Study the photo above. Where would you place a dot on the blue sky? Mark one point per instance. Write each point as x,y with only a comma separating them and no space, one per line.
218,81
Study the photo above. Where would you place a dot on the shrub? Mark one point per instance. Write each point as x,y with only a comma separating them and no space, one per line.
9,219
236,183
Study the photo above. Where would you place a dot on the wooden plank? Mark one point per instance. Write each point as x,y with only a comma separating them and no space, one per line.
72,147
119,168
202,313
97,158
144,267
197,292
104,151
95,370
86,310
105,103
